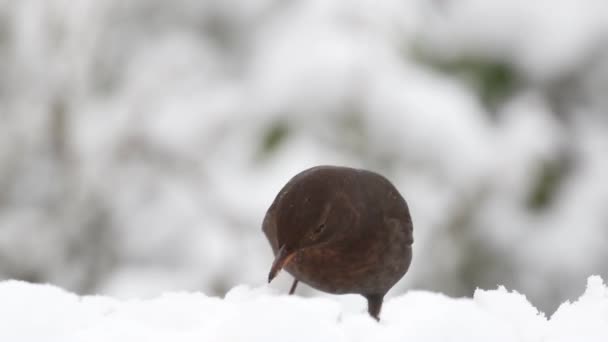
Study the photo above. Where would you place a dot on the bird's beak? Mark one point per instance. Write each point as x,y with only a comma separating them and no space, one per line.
282,258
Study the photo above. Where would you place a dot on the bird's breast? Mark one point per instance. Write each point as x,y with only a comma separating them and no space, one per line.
369,268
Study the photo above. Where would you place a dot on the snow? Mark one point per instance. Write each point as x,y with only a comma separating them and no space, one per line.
47,313
166,104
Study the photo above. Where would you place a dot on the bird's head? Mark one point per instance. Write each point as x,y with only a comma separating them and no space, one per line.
311,213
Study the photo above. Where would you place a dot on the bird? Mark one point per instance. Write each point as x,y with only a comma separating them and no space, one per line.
341,230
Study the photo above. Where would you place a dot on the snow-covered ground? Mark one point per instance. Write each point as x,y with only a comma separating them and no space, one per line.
46,313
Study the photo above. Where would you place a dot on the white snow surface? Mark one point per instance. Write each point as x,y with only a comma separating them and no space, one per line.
47,313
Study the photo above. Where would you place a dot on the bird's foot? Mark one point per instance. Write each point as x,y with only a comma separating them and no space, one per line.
293,287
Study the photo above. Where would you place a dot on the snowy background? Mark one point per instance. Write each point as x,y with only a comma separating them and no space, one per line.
142,141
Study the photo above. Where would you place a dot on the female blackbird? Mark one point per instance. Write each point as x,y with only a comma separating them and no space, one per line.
341,230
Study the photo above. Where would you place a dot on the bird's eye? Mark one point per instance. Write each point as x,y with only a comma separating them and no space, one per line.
319,229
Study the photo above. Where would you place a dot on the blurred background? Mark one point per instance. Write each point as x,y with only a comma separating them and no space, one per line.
142,141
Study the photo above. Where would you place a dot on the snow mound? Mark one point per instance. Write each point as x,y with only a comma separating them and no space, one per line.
31,312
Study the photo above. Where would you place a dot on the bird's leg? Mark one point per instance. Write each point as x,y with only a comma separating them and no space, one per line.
293,286
374,304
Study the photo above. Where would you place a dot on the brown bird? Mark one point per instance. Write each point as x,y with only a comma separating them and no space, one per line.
341,230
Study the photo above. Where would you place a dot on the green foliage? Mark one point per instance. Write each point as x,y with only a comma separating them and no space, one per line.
272,139
549,176
495,81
